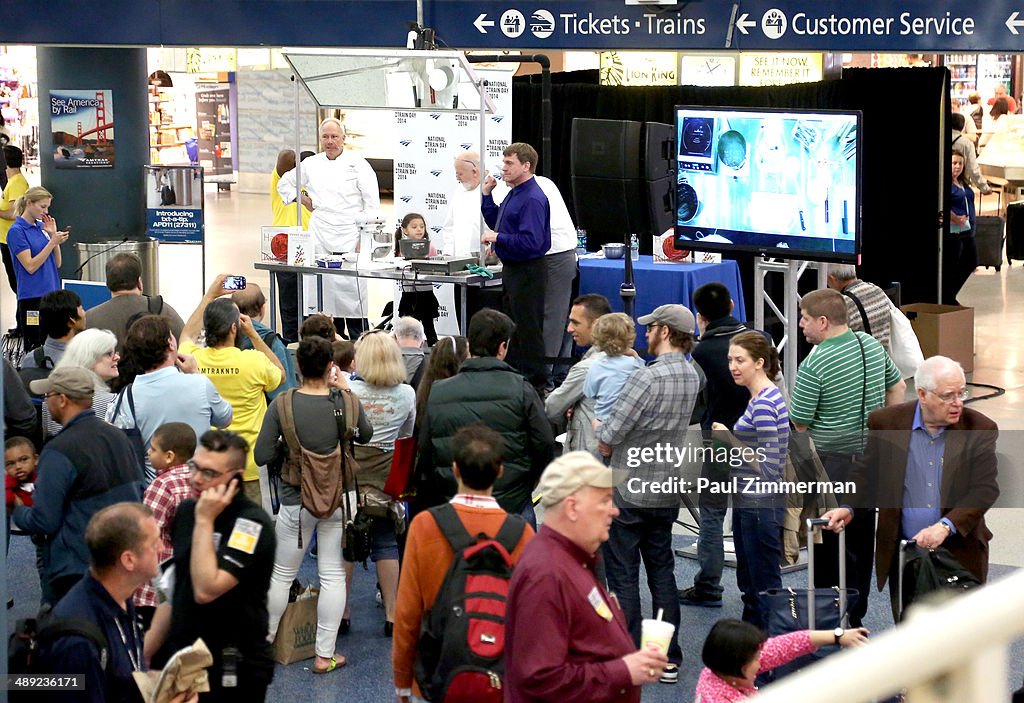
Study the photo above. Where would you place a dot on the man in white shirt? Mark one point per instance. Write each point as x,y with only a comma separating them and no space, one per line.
339,188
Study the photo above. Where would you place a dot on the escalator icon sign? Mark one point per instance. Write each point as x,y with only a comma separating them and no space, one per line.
542,24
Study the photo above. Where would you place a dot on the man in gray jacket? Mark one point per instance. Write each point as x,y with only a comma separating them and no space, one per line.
566,407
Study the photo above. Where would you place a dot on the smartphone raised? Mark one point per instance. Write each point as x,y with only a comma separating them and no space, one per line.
234,283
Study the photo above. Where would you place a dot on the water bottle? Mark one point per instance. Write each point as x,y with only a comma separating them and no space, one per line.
581,241
634,247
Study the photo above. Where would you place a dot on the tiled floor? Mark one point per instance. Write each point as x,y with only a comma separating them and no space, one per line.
233,222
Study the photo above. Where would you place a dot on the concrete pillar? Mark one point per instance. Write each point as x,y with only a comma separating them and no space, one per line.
99,203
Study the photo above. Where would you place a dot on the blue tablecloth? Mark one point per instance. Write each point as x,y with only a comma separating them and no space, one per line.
658,284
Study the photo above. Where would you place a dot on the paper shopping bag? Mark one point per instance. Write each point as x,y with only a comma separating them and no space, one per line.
296,634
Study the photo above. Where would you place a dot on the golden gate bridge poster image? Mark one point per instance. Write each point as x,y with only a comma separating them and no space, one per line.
82,123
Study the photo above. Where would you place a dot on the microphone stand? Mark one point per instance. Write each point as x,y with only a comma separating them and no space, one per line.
628,288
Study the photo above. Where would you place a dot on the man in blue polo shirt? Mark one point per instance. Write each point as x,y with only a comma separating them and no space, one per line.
124,553
520,230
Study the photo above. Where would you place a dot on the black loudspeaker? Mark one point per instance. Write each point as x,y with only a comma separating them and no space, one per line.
659,151
661,209
610,209
605,148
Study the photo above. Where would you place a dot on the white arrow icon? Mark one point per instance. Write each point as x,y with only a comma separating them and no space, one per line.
742,23
1012,23
482,22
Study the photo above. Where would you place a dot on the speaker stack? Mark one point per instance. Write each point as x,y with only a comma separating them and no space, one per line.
623,178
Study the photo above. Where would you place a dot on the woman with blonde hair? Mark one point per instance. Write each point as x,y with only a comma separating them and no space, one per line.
34,241
390,405
96,352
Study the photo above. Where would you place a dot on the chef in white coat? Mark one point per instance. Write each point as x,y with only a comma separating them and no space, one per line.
339,188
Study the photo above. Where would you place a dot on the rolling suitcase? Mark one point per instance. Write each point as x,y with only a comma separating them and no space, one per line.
988,239
792,609
1015,231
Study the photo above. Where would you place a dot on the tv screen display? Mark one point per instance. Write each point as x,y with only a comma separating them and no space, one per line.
780,182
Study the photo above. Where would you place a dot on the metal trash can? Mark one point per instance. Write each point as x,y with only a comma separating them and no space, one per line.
97,254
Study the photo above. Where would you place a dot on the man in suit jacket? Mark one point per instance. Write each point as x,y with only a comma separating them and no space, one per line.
930,467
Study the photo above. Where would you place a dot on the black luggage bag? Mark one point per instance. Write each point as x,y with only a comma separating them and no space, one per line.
988,238
1015,231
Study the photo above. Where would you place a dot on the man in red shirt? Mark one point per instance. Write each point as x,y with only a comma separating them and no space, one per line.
566,638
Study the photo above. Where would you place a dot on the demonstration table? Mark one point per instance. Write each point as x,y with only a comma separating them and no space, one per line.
658,284
350,270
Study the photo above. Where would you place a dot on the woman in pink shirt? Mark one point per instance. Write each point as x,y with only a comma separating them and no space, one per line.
735,652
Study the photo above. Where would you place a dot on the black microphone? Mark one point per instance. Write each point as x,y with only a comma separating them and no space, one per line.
104,251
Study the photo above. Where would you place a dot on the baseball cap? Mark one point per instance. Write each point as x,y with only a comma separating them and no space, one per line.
673,315
569,473
72,381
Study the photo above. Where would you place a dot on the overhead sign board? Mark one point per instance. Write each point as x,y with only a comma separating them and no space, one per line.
923,26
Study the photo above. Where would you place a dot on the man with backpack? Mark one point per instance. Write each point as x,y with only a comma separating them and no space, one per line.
61,317
93,631
437,557
124,279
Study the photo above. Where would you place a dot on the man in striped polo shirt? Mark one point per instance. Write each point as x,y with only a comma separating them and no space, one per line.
845,377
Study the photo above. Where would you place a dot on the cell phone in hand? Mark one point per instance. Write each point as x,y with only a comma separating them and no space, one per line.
234,283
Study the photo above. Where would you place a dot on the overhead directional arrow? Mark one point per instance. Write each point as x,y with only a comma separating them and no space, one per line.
742,23
1012,23
482,22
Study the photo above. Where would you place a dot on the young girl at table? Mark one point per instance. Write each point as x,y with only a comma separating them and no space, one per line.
735,652
418,299
614,335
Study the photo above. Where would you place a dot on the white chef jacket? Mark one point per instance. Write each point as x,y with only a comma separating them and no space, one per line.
460,234
341,190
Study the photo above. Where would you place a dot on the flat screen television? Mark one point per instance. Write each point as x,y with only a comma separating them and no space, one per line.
785,183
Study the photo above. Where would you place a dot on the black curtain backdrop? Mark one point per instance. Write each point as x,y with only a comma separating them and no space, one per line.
904,156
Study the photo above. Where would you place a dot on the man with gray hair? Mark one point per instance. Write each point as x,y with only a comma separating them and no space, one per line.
339,187
930,468
555,646
867,305
460,233
408,332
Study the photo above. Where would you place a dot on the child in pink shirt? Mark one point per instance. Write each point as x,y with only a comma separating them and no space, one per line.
735,652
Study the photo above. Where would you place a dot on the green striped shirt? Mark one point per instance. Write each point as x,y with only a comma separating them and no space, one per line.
832,385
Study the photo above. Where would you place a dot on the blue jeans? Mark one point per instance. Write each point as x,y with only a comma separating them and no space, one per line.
757,534
530,515
644,533
710,547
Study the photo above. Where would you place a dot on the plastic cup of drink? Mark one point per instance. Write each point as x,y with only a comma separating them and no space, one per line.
655,635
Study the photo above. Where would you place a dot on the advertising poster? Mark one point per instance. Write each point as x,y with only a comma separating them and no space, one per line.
215,121
428,143
174,204
82,126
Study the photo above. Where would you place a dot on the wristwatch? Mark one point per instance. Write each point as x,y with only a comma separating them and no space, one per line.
837,633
